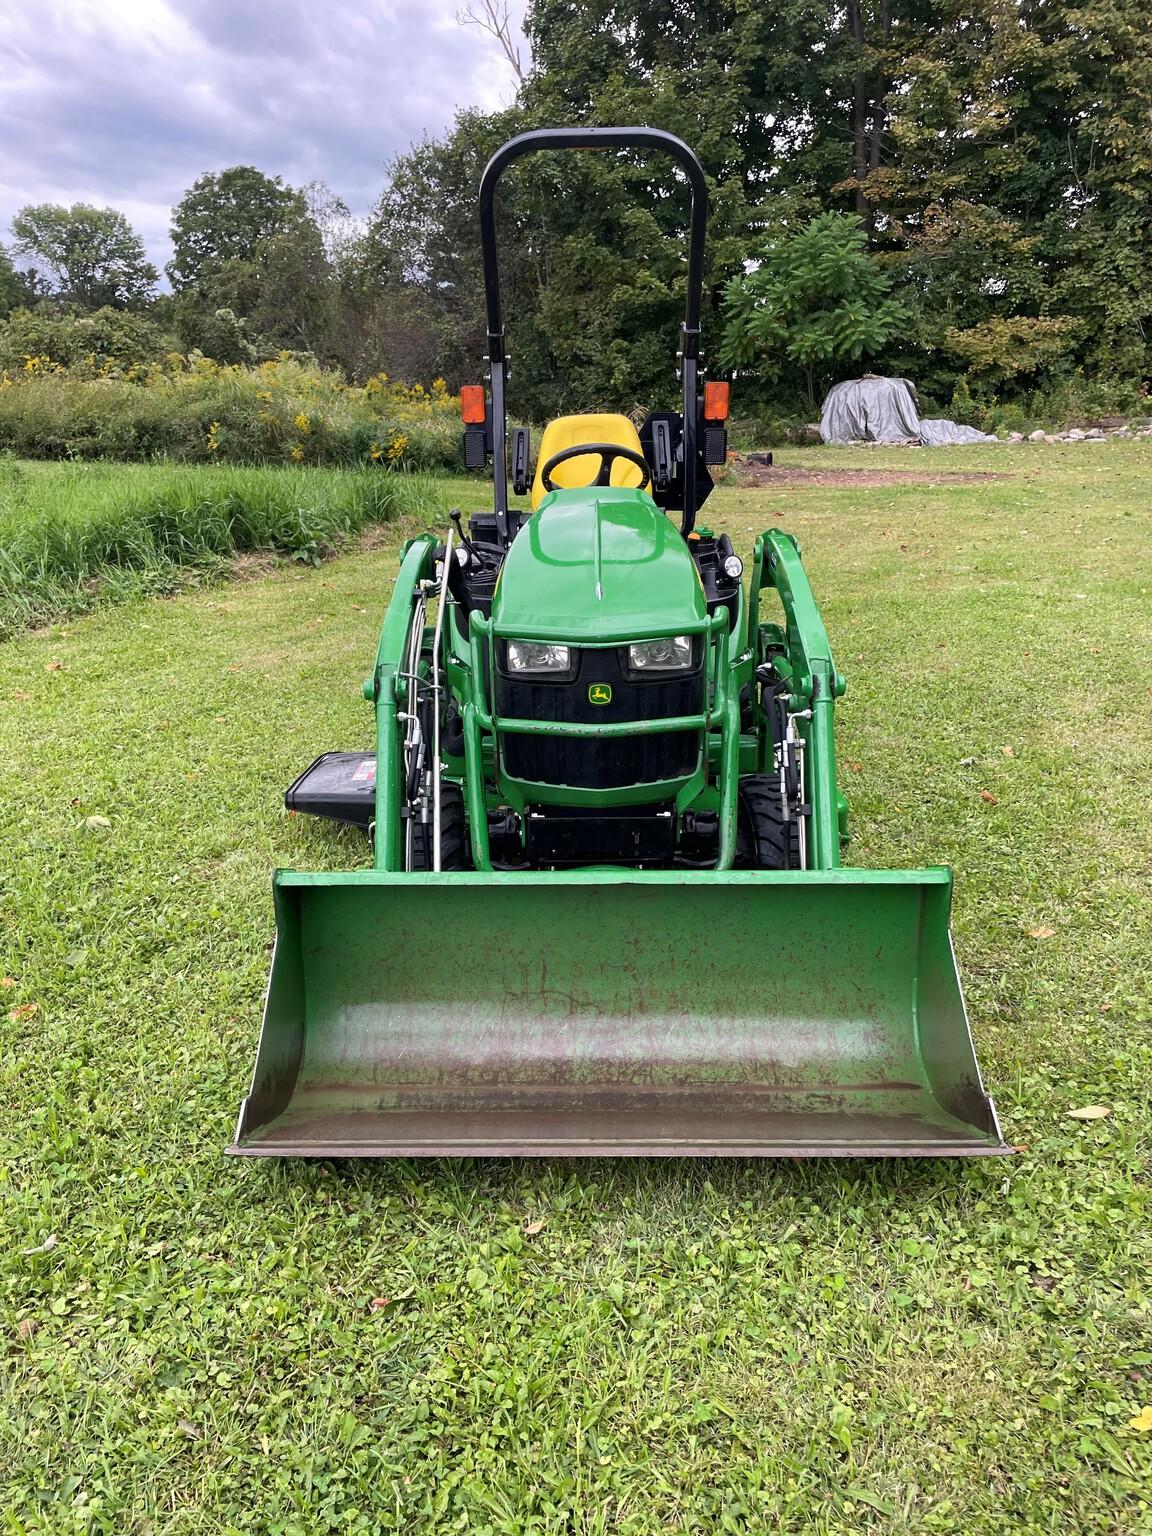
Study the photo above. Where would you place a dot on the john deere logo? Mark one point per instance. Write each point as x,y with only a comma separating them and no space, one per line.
599,693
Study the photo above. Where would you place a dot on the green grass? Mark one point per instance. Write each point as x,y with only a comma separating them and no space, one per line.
216,1346
75,536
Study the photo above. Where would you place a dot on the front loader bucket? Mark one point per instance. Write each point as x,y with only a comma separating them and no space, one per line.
616,1013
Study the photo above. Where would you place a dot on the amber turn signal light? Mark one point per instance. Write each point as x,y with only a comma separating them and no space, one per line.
473,406
715,400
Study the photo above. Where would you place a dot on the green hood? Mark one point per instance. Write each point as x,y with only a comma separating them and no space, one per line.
598,563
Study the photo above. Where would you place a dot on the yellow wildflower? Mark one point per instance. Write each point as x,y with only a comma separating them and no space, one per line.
303,424
297,452
374,452
213,437
396,446
1142,1423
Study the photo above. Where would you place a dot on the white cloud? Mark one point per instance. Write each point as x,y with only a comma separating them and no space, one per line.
124,103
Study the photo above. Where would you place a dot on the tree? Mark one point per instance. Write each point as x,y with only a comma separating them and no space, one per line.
10,287
93,256
224,217
246,245
493,17
816,299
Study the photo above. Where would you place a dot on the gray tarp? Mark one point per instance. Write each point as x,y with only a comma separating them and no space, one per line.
875,410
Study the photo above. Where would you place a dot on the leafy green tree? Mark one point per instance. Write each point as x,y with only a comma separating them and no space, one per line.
246,245
817,299
10,287
225,217
93,256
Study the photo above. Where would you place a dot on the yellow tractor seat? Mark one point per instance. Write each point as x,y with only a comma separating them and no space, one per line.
567,432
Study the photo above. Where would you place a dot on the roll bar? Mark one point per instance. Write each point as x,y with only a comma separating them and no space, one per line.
593,138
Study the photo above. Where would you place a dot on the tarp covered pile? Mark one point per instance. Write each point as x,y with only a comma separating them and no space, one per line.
876,410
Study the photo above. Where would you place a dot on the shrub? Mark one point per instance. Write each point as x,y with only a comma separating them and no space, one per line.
197,411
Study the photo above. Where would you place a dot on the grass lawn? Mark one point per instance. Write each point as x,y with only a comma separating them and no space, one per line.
196,1344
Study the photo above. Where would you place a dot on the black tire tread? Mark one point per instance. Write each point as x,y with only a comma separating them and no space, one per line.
764,840
455,844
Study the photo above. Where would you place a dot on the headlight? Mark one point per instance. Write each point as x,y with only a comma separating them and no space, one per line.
734,567
672,655
538,656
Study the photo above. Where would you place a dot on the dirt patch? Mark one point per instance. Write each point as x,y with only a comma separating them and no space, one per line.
752,476
253,564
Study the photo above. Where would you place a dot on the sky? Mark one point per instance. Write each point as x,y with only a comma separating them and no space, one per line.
123,103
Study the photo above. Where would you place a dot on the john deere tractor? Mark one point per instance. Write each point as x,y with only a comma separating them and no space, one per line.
606,912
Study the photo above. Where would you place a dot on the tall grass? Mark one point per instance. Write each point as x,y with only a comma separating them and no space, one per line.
72,536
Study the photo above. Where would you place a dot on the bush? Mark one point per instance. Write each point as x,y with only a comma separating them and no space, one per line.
197,411
107,343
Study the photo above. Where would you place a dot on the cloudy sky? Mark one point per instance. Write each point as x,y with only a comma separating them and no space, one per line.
123,103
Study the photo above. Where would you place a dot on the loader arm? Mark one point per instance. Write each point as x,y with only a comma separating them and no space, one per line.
813,680
384,688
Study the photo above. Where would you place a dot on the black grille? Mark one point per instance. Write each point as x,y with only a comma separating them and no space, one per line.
611,763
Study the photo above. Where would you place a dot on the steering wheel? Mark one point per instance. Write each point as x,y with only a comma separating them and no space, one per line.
608,452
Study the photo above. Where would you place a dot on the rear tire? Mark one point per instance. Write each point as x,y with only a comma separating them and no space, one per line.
454,841
764,839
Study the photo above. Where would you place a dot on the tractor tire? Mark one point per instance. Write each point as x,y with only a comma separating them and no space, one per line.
764,840
455,844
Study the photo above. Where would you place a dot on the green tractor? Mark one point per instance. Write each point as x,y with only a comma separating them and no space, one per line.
607,914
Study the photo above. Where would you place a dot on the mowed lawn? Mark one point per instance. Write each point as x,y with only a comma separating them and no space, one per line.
198,1344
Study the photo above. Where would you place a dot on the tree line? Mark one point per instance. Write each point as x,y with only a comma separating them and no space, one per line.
959,193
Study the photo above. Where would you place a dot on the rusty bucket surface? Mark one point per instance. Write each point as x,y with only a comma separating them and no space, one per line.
616,1013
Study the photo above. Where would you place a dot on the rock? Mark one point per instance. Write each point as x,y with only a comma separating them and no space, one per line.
1075,436
1038,436
1053,437
1094,432
1015,437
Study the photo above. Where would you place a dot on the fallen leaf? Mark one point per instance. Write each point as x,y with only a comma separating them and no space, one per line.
1045,1283
1142,1423
989,798
1008,752
1091,1112
188,1429
23,1011
26,1327
7,981
381,1303
45,1247
855,767
53,666
20,695
967,762
1041,933
97,823
534,1228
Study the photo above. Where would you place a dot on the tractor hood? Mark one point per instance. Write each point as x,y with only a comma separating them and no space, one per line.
598,563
